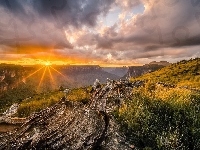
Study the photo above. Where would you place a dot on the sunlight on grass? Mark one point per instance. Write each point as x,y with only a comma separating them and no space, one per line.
38,102
161,118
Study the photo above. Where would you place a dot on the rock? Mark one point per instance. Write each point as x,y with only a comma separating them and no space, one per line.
12,110
73,125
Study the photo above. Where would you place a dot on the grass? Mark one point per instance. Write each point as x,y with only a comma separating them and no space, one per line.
183,73
15,95
161,118
156,117
79,94
44,100
38,102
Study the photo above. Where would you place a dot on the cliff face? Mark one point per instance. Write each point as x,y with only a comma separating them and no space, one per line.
135,71
12,75
162,63
119,71
8,76
86,75
74,125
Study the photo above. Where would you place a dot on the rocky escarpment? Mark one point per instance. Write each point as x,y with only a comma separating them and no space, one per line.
74,125
85,75
135,71
10,75
119,71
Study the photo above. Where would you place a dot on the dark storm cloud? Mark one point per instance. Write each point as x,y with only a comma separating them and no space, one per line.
13,6
104,43
44,22
165,28
75,12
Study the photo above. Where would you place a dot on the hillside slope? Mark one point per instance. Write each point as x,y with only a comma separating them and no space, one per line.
117,115
183,73
135,71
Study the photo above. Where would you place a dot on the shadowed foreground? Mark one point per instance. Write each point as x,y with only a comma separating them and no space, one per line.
71,125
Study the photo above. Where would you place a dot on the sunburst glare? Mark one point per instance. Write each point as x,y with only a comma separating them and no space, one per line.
44,72
47,63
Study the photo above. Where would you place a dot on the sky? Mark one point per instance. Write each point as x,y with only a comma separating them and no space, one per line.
98,32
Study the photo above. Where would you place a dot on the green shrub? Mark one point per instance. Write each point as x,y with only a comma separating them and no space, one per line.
171,121
183,73
38,102
79,94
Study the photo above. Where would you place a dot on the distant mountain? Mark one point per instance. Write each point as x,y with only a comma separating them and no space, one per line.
19,82
135,71
118,71
162,63
11,76
14,79
86,75
183,73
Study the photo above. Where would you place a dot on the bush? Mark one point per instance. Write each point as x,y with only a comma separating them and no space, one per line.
79,94
38,102
163,119
183,73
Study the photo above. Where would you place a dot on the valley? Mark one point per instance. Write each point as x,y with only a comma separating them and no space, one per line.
157,110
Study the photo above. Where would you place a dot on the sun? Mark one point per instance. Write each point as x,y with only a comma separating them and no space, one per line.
47,63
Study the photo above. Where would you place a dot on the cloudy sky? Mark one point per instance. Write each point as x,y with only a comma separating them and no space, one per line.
104,32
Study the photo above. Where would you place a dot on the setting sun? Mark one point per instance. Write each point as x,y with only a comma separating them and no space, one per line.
47,63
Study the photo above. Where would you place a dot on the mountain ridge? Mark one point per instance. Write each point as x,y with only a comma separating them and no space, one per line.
185,72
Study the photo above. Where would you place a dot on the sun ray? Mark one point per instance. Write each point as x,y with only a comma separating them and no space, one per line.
16,84
42,78
58,72
65,77
52,79
33,73
47,63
